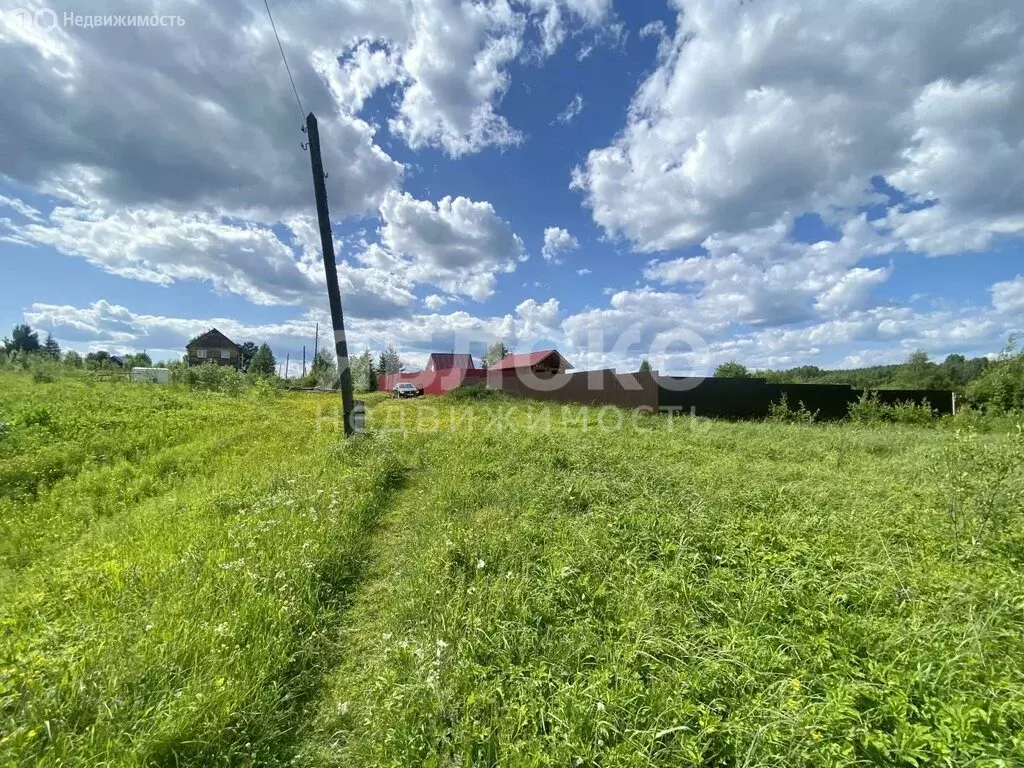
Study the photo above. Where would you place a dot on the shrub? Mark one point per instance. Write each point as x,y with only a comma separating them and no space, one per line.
985,483
210,377
264,386
1001,386
910,413
781,412
45,372
868,409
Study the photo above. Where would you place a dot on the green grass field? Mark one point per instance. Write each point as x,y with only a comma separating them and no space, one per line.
197,579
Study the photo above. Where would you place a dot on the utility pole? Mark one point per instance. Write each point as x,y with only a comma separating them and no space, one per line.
316,341
303,361
331,270
287,359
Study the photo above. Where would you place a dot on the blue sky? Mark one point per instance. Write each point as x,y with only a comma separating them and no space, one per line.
690,181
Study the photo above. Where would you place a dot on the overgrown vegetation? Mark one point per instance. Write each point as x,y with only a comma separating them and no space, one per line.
783,412
195,579
870,410
1001,387
172,570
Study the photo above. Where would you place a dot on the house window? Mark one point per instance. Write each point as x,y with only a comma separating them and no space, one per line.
202,353
225,354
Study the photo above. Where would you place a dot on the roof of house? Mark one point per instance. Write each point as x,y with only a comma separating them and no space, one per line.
529,359
444,361
212,337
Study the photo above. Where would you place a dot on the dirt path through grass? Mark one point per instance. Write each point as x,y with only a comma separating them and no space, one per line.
730,594
182,615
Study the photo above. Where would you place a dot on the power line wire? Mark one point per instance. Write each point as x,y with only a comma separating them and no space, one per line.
302,112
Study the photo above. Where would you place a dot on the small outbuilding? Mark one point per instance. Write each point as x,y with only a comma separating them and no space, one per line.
151,375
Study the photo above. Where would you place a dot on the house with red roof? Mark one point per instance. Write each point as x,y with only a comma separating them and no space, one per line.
446,361
446,371
544,363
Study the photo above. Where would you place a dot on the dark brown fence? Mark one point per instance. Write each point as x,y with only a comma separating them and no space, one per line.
604,387
719,397
751,398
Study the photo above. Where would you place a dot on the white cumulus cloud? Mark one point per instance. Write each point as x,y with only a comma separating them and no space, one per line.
558,242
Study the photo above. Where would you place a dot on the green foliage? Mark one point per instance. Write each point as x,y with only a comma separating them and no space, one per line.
920,373
210,377
263,362
23,339
870,410
246,351
98,360
51,348
955,372
44,374
389,361
364,375
782,412
72,359
911,413
474,392
736,595
1001,387
496,352
173,583
138,360
645,366
732,370
985,483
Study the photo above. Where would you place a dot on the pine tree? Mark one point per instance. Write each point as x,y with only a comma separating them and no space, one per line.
23,339
323,368
389,361
51,348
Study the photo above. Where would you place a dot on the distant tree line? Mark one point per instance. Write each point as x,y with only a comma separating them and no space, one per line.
918,372
23,346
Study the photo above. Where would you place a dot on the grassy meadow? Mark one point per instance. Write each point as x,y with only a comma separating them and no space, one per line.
199,579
